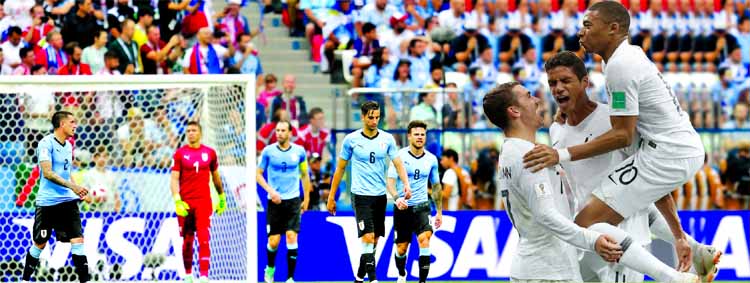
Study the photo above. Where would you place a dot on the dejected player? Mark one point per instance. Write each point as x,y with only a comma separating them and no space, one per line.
413,216
367,150
286,165
58,197
194,165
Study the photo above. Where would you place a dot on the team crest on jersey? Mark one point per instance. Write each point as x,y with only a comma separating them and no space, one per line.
382,145
204,156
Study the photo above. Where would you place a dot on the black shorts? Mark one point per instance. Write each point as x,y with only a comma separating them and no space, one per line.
413,220
369,212
284,217
64,218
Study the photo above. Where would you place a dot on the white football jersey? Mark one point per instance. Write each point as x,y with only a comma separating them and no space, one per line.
636,88
537,205
585,175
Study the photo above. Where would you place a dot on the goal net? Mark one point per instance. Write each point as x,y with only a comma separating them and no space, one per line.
129,128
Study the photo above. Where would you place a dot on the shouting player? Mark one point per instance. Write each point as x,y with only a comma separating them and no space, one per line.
537,207
413,216
194,165
582,121
57,200
644,111
286,164
367,149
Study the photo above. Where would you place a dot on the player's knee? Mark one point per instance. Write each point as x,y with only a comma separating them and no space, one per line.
40,245
274,240
369,238
291,237
401,248
78,240
424,239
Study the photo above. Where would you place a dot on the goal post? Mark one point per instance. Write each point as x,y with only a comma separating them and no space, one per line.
129,128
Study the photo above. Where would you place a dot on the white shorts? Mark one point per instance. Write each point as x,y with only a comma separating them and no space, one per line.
594,269
642,179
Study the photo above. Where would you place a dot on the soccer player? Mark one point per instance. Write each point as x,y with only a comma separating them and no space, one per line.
57,199
582,121
413,216
537,207
194,165
286,164
644,111
367,149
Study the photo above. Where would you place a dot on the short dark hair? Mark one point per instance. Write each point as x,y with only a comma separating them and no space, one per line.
452,154
270,78
145,11
369,106
195,123
288,124
36,67
24,51
15,29
70,47
314,111
743,19
367,27
416,124
110,54
497,101
58,117
613,12
276,115
567,59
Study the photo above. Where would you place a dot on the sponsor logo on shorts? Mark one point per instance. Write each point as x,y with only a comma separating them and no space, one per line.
361,225
44,233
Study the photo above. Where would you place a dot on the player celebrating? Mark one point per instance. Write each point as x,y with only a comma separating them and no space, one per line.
286,164
368,149
413,216
57,199
536,208
582,121
194,165
641,102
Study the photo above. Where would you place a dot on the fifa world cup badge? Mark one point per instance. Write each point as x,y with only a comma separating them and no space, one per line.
542,190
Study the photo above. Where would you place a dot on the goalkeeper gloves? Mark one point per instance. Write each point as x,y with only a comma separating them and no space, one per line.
222,204
180,206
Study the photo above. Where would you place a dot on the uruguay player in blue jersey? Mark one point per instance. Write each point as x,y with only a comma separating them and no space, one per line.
413,216
57,199
367,150
285,164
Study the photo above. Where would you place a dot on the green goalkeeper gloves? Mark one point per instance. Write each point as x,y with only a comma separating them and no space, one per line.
222,204
180,206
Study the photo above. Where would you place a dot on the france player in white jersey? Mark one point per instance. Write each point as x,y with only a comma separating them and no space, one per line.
368,150
413,216
536,202
581,121
58,197
641,104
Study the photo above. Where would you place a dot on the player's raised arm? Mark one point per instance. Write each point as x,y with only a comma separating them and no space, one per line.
306,184
337,175
537,190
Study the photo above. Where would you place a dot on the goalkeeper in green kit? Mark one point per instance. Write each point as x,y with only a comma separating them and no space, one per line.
194,165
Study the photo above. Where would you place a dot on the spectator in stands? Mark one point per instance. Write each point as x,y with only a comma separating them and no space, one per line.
378,13
743,39
126,49
145,20
293,104
122,11
737,70
727,14
397,102
315,136
155,53
342,32
457,192
483,175
417,15
74,66
38,28
260,115
545,16
316,16
57,9
670,21
455,110
320,181
111,64
426,111
556,41
12,47
247,60
93,55
4,70
491,33
102,179
17,11
474,90
365,46
531,73
38,70
468,46
79,26
486,66
571,17
166,139
206,57
269,92
52,55
724,92
436,76
232,22
171,13
738,178
690,36
397,37
381,70
739,118
456,17
718,45
702,192
420,63
267,133
645,38
27,61
513,45
38,108
137,138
